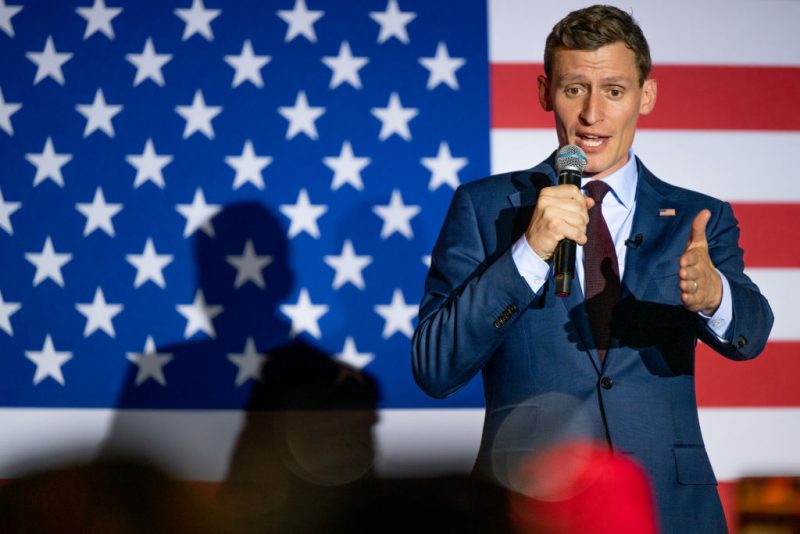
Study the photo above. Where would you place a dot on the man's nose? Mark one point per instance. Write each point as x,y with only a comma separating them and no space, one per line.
592,110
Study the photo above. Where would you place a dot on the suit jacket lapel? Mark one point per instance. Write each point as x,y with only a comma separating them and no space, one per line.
576,310
529,183
654,228
524,198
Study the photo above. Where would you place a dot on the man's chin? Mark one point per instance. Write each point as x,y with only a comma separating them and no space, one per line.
593,171
600,167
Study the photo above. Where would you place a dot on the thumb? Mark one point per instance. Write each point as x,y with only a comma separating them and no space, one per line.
698,235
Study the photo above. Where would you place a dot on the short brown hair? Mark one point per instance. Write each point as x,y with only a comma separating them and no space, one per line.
596,26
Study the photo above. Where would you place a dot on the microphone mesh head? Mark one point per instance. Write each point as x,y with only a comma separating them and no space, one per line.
570,158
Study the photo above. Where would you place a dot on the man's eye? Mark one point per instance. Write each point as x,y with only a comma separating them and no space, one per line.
573,91
615,93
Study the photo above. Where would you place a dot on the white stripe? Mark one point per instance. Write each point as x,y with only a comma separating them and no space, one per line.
744,32
740,441
752,441
735,166
516,149
782,289
197,445
190,444
427,442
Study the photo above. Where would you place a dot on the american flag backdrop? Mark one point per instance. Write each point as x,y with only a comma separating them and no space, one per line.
233,175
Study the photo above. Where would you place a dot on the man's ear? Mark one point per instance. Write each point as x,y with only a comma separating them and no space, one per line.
544,93
649,92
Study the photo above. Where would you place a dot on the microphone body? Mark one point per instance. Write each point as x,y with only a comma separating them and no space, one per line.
570,162
565,252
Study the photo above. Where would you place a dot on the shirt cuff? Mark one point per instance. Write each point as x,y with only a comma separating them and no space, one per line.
532,268
722,318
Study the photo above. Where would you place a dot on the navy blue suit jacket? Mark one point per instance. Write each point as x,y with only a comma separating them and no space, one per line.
542,377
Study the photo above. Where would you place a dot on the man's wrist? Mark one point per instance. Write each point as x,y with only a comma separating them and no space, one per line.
721,318
530,265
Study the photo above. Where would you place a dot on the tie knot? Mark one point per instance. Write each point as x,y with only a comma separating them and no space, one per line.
597,189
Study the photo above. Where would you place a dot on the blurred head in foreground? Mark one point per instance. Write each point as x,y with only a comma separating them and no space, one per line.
581,487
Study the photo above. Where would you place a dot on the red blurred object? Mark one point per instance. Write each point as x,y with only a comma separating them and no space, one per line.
579,488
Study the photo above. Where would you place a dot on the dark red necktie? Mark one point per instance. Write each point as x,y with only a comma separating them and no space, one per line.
600,270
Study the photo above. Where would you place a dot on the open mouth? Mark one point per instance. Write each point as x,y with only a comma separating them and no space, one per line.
590,141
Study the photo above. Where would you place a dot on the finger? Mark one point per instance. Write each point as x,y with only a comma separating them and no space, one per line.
689,302
555,209
691,273
690,259
562,191
695,271
575,234
579,219
698,233
569,204
567,226
689,286
692,295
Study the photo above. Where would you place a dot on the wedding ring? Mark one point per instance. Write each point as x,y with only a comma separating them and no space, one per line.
694,290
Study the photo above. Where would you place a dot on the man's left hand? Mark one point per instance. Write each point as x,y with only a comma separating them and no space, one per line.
700,283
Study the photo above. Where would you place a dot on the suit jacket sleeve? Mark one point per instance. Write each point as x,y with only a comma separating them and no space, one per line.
472,297
752,316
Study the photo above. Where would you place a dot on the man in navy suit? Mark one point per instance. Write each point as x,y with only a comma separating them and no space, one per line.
558,368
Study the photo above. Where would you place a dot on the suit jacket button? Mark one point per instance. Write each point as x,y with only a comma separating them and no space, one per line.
741,342
606,383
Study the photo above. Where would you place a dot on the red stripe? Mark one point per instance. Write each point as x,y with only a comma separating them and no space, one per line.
768,381
689,97
514,97
770,233
727,494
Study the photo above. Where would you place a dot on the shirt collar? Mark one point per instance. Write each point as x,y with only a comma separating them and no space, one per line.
622,182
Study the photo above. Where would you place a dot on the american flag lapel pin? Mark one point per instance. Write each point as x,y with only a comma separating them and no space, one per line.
666,212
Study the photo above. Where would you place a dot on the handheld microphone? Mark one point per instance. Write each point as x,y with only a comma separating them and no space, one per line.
570,162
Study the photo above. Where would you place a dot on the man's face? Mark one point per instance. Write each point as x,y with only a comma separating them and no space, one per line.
596,99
